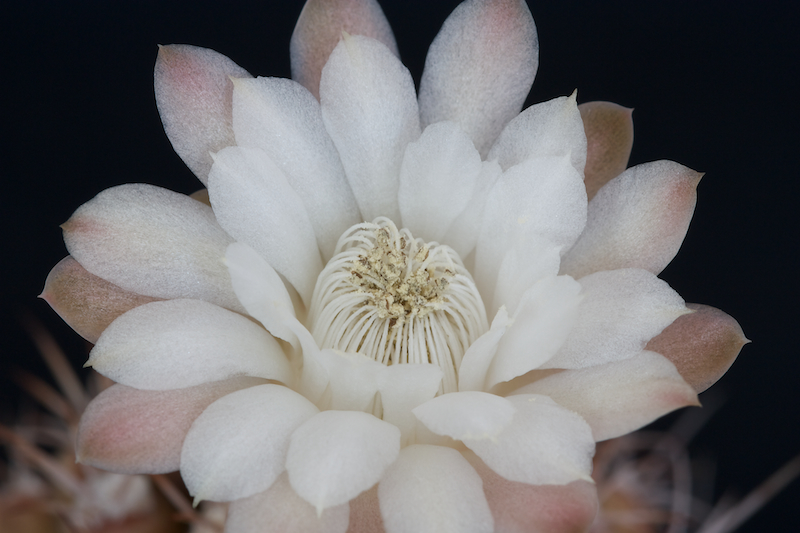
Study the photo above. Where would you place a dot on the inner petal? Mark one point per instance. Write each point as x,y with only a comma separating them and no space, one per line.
397,299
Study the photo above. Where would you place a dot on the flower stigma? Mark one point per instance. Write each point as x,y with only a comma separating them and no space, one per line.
397,299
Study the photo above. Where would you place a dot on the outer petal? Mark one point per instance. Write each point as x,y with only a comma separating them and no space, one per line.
338,454
181,343
466,415
637,220
621,310
703,345
439,175
545,444
153,242
619,397
238,446
609,138
132,431
551,128
370,110
254,202
523,508
283,120
193,95
281,510
85,302
480,68
432,489
320,27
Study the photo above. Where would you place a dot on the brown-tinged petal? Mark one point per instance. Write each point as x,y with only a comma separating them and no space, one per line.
480,68
86,302
132,431
201,196
609,138
702,345
522,508
194,94
637,220
320,27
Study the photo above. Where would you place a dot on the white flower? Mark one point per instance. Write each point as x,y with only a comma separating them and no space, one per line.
395,303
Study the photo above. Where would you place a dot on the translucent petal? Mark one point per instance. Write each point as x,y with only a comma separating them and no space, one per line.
466,415
370,110
153,242
476,361
433,489
193,94
480,67
338,454
254,202
238,446
181,343
609,139
283,120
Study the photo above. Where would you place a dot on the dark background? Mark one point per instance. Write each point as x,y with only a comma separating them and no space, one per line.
713,85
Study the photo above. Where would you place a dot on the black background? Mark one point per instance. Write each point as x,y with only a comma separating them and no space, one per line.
713,85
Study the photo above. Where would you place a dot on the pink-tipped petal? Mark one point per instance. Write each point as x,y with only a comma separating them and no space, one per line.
132,431
619,397
523,508
702,345
153,242
320,27
193,94
480,68
609,139
85,302
637,220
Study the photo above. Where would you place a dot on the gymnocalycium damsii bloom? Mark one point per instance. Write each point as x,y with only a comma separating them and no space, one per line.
388,311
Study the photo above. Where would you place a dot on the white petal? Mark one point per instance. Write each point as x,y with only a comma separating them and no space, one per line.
282,119
404,387
152,241
237,446
432,489
521,268
338,454
256,205
476,361
619,397
280,510
437,180
545,317
193,95
636,220
545,444
480,68
621,310
370,110
551,128
466,415
353,380
260,289
180,343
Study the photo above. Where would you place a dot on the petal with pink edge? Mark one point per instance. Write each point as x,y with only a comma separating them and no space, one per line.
702,345
545,444
319,29
132,431
480,67
336,455
280,510
522,508
153,242
238,446
619,397
433,489
180,343
609,139
86,302
620,312
637,220
370,111
193,94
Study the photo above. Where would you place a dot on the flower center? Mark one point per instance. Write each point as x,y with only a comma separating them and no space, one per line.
397,299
